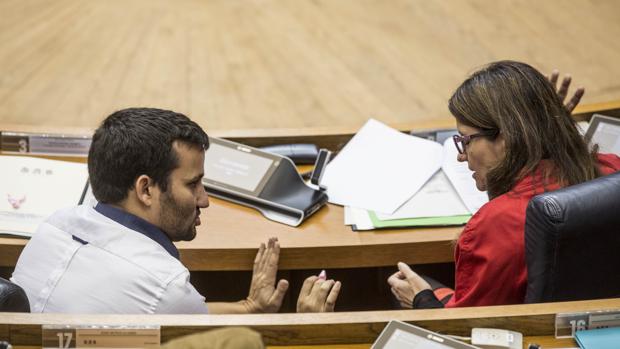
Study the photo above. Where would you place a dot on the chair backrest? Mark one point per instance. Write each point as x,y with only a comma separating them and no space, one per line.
13,298
572,242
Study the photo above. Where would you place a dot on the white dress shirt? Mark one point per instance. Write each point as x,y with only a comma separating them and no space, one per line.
81,260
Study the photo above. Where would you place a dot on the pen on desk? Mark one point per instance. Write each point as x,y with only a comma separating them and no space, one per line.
322,275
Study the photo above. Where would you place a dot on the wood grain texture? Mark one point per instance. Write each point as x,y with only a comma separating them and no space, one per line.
326,328
332,137
543,341
285,64
231,234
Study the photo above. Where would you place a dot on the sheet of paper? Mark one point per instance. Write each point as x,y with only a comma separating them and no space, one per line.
360,220
348,216
461,178
31,189
437,198
380,168
89,197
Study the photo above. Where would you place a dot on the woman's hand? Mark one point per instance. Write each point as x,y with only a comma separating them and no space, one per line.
563,90
406,284
318,295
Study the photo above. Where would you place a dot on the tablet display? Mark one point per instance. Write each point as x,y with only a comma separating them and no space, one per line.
604,131
400,335
405,340
236,167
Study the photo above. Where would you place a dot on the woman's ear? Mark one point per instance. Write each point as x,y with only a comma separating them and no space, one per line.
144,188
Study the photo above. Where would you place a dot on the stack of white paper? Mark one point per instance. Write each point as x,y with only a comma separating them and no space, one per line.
381,168
33,188
446,197
437,198
461,178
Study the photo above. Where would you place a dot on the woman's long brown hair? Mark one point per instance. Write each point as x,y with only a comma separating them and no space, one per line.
519,102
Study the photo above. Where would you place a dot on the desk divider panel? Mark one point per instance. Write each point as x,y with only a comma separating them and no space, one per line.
327,328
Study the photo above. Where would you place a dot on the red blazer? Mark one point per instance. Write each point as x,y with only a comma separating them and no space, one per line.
490,252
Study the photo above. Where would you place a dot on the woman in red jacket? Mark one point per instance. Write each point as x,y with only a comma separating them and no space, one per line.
519,140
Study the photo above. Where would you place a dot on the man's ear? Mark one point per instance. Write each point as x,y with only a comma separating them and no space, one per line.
145,189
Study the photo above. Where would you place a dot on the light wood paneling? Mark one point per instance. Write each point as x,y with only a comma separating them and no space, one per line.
285,64
325,328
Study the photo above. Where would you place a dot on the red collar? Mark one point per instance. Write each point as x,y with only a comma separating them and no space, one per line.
537,182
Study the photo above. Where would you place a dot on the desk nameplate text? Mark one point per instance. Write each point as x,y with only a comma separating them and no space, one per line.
566,324
44,144
71,336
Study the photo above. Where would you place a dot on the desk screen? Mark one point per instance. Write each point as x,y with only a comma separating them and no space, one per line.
405,340
234,167
607,136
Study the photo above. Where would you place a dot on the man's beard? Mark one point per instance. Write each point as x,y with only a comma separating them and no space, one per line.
178,222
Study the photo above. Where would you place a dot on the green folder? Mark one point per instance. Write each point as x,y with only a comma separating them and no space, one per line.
418,222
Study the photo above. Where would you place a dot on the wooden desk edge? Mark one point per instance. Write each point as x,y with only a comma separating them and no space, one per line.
297,258
334,328
331,135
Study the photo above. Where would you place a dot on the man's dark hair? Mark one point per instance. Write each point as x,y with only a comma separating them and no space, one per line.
134,142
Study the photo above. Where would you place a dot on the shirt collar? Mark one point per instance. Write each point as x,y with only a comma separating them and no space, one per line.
541,180
139,225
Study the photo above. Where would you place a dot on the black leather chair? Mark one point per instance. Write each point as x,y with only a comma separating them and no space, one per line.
572,242
13,298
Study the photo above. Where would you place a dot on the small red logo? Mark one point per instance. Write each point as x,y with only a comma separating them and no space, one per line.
15,203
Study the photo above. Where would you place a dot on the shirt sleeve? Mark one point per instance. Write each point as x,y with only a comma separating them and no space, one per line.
180,297
426,299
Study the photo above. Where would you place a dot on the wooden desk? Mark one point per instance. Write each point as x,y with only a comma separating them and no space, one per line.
231,234
546,342
319,329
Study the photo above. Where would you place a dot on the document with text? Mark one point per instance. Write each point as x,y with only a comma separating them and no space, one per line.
33,188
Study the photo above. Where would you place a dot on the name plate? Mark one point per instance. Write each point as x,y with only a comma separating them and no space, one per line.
45,144
566,324
100,336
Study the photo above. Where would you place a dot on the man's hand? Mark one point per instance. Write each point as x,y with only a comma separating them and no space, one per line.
318,295
563,90
265,296
406,284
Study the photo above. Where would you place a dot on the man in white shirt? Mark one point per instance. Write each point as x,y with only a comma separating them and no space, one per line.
145,167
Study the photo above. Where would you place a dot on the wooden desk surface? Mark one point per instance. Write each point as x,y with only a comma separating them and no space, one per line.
319,329
231,234
547,342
